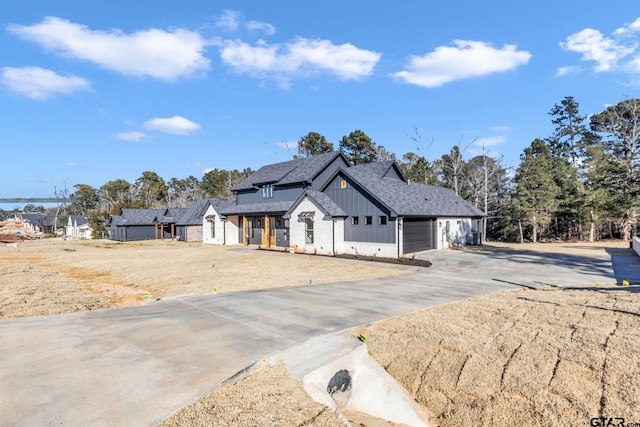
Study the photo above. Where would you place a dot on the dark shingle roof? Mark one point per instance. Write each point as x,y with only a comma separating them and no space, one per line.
410,198
290,172
328,206
140,216
78,219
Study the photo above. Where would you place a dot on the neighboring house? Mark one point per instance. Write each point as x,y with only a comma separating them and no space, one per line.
38,223
78,227
142,224
321,204
184,224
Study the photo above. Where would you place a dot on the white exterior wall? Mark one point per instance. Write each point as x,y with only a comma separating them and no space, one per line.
459,229
383,250
323,230
231,232
218,223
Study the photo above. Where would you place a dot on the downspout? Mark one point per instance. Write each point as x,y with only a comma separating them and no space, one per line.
224,231
333,236
398,236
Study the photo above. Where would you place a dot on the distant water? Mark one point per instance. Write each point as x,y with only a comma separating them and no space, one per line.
11,206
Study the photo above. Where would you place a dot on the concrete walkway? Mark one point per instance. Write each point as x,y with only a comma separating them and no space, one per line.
135,366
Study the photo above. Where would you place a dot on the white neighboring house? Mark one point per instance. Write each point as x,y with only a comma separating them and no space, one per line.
78,228
216,227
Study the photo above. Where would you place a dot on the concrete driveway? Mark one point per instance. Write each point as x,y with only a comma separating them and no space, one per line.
135,366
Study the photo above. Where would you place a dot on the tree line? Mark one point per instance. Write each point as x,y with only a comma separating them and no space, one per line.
578,184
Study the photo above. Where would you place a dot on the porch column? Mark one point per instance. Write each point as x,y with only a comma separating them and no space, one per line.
266,238
245,231
173,231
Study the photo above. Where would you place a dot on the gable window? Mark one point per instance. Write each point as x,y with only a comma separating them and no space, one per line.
308,230
382,220
368,220
343,184
355,220
267,190
213,229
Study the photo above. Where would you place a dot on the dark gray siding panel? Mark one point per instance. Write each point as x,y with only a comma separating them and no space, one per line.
140,232
357,203
280,194
326,174
419,234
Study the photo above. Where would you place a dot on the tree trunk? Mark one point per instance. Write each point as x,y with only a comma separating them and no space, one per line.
521,233
534,233
592,227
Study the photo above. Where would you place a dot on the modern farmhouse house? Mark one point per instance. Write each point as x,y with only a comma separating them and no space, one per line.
321,204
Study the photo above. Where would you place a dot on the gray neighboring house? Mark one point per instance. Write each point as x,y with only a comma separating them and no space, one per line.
183,224
321,204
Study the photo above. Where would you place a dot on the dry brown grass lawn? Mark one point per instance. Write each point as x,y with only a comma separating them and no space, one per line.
52,277
536,357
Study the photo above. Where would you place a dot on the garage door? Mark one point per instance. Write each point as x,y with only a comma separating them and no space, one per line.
419,234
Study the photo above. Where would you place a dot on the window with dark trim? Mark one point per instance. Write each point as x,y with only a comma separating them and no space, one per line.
382,220
267,190
368,220
308,230
213,229
355,220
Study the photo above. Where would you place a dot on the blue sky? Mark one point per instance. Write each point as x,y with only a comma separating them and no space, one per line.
96,91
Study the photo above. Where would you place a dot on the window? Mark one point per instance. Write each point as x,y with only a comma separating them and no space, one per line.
343,184
382,220
368,220
267,190
355,220
308,230
213,229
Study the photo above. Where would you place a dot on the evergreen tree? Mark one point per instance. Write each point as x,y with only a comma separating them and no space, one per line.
358,148
535,189
619,127
313,144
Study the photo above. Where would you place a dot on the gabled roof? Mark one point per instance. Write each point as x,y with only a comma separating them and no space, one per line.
196,210
409,198
139,216
78,220
322,202
291,172
41,220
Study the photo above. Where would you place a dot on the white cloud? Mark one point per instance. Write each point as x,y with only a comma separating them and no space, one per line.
301,57
131,136
628,29
466,59
489,141
594,46
40,83
264,27
72,164
500,128
176,125
229,20
563,71
164,55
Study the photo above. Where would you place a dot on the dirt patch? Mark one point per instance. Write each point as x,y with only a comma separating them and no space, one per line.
545,357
